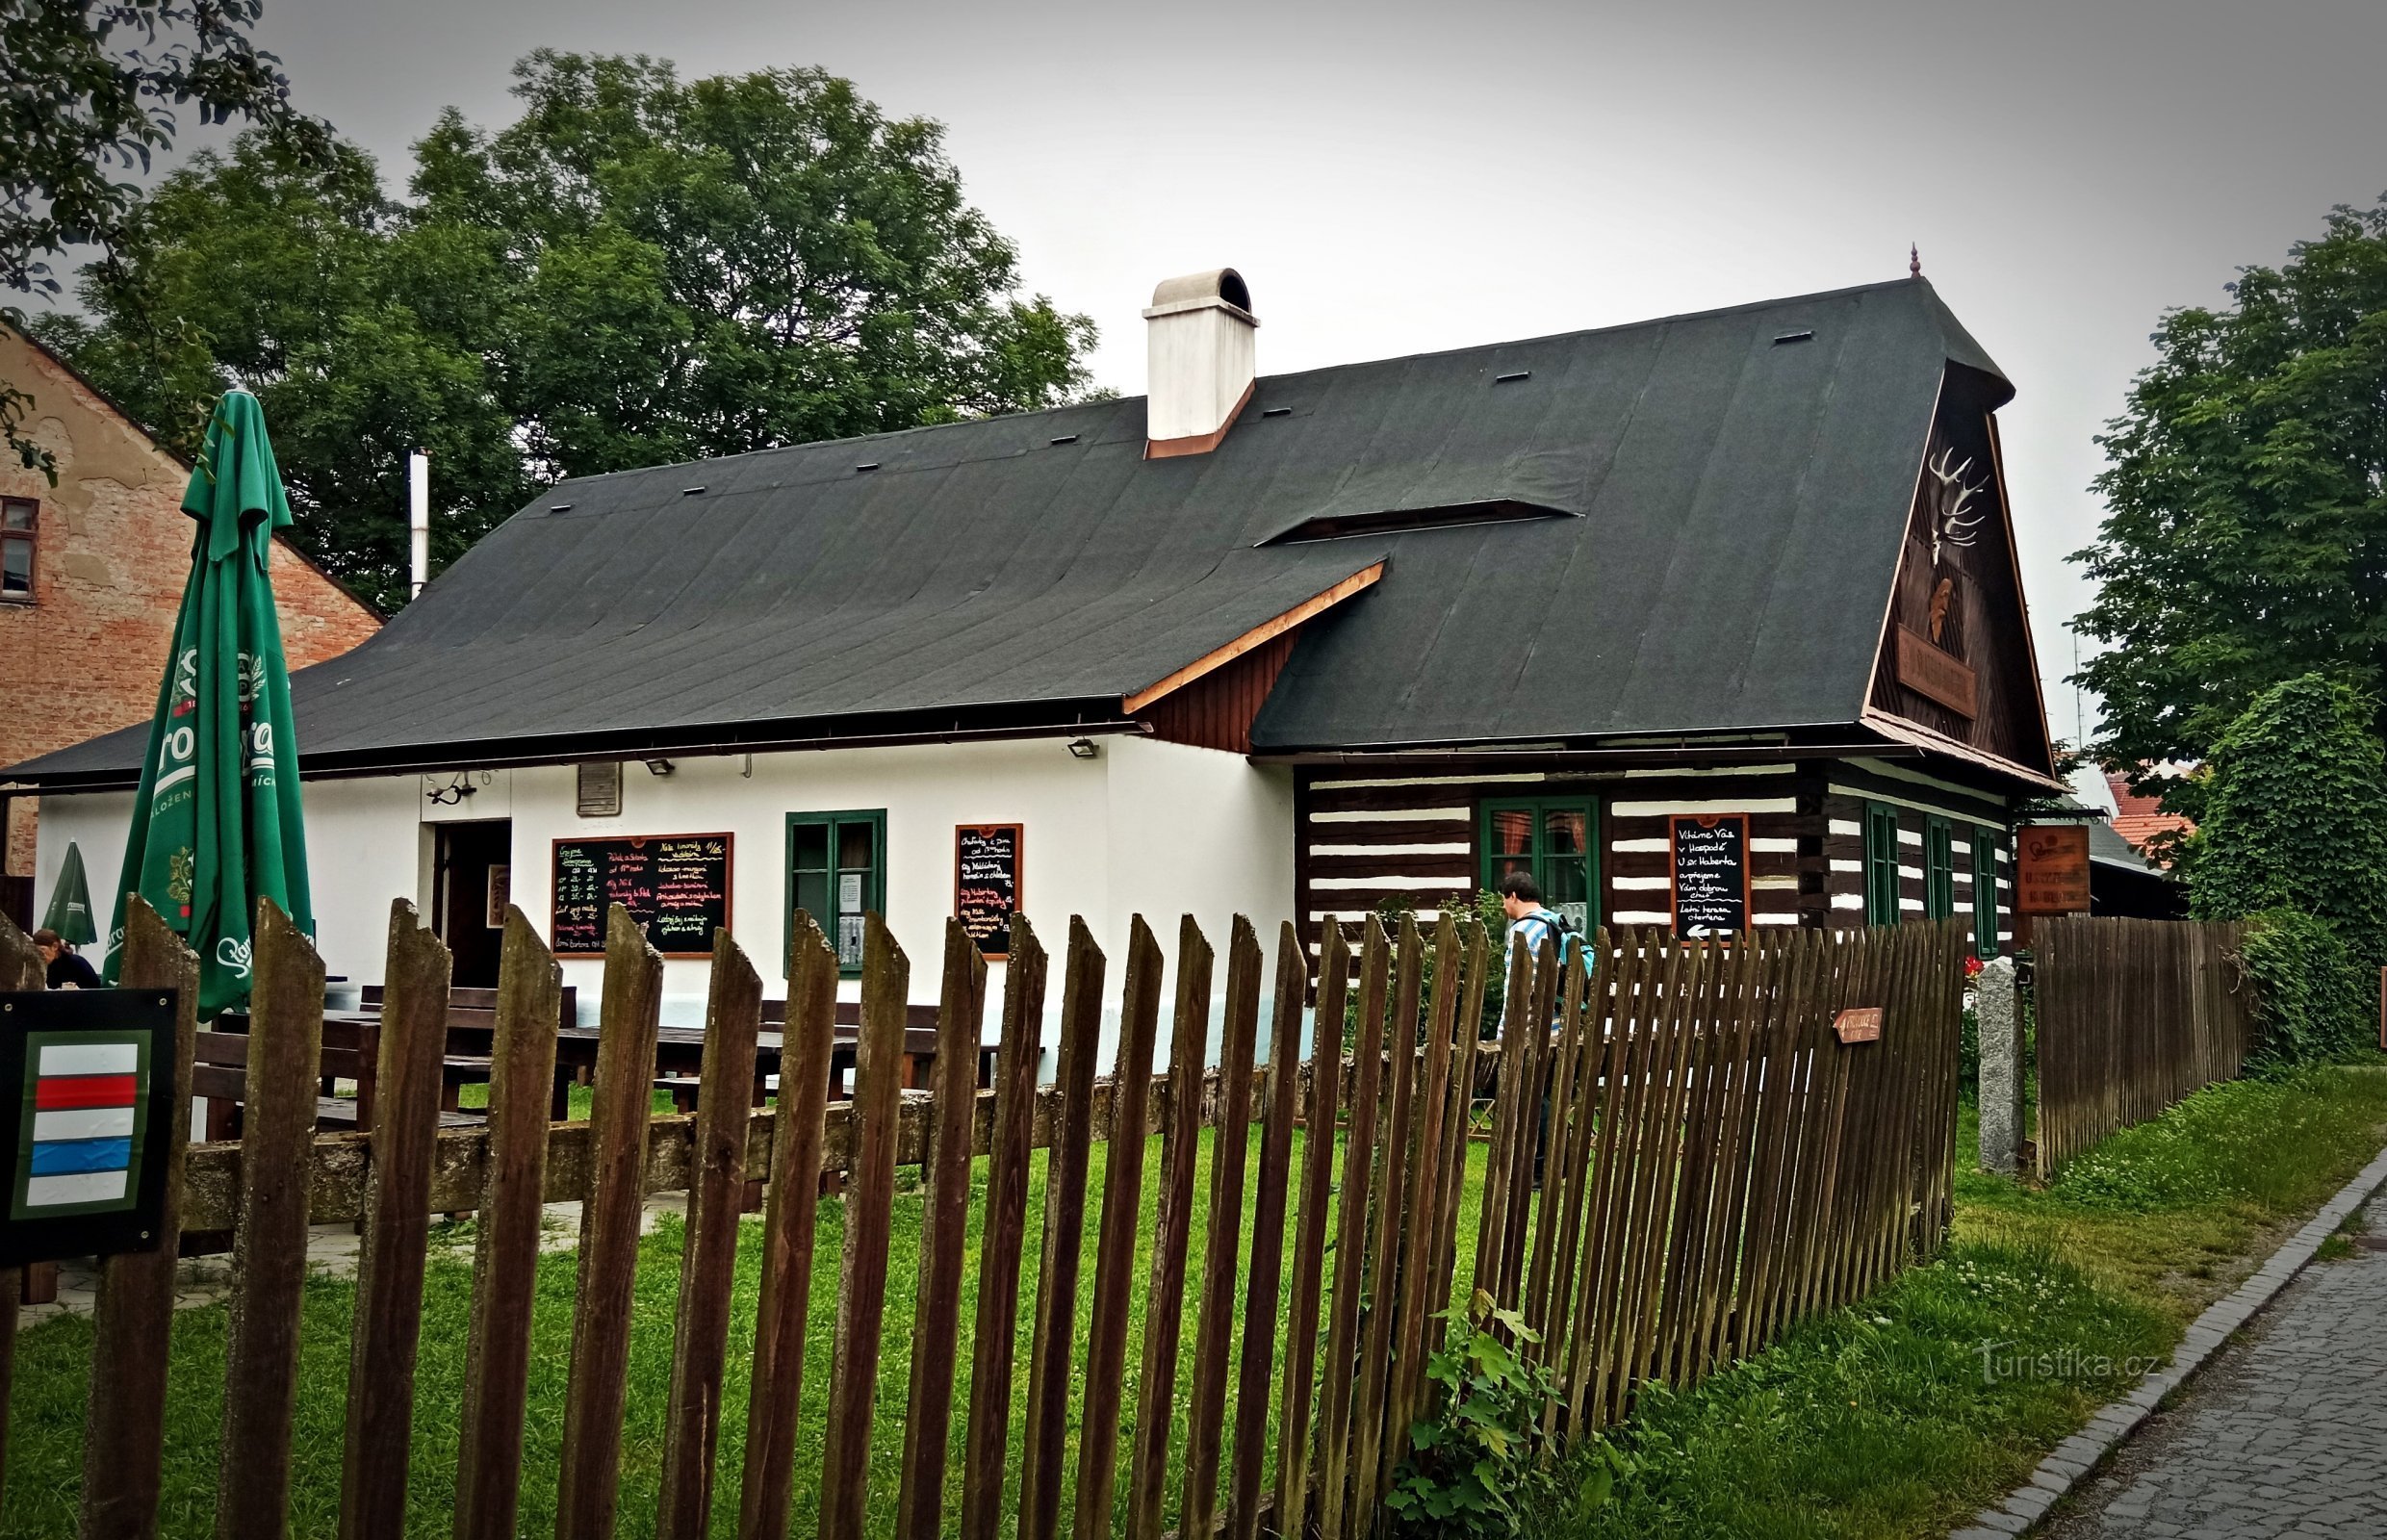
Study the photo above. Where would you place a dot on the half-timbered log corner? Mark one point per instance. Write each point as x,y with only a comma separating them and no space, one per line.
1710,622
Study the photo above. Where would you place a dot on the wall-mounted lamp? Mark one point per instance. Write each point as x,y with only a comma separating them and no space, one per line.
1085,749
452,793
658,767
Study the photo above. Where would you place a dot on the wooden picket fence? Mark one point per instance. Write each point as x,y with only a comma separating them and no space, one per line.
2133,1016
1684,1161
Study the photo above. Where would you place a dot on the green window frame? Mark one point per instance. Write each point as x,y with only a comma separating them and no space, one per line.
1554,839
1939,869
1985,843
1881,864
837,872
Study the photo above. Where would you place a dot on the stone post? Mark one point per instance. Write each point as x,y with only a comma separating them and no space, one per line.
1998,1013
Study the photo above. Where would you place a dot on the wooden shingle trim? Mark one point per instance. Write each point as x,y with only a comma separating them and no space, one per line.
1264,632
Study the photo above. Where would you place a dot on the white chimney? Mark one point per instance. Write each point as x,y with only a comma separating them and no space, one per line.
1198,354
418,519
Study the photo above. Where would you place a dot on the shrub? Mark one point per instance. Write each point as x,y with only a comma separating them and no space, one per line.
2312,1000
1476,1466
2296,815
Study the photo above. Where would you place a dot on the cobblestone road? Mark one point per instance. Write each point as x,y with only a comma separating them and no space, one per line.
2284,1433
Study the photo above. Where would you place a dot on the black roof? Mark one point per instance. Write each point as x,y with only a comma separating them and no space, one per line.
1702,525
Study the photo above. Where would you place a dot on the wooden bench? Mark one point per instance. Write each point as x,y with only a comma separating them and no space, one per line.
351,1051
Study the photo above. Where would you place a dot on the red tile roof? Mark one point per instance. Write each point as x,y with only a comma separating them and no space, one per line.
2138,818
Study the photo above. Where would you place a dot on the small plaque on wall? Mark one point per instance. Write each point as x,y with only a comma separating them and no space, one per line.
986,884
86,1093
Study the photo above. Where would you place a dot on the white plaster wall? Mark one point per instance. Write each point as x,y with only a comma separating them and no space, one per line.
95,823
1146,827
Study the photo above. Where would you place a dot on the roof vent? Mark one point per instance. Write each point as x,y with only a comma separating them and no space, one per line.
1200,360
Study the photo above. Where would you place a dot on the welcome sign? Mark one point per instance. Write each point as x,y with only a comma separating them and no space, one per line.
86,1085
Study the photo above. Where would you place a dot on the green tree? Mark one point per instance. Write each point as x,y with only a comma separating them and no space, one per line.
2296,815
637,270
89,88
2246,542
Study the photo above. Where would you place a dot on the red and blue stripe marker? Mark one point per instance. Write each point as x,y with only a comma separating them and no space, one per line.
86,1098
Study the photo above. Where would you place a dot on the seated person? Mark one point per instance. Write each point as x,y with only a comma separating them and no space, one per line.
67,970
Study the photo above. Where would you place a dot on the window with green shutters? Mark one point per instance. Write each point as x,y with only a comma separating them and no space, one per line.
1553,842
837,873
1985,892
1881,864
1939,870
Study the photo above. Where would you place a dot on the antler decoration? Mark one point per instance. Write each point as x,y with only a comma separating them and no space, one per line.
1950,498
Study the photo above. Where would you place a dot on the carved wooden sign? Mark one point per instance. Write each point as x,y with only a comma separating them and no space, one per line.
1859,1023
1935,672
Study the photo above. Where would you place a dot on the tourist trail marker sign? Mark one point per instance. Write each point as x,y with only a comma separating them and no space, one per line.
86,1100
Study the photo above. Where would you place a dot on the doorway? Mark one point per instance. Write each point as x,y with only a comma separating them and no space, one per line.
472,883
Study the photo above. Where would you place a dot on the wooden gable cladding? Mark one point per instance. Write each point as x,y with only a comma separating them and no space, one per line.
1956,652
1216,710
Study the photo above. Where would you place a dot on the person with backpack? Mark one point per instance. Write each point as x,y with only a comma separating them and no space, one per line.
1529,919
1521,896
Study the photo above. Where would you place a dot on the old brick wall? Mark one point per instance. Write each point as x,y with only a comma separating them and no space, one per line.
115,547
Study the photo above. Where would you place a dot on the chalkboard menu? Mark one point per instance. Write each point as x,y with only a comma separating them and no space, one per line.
677,885
1710,873
986,884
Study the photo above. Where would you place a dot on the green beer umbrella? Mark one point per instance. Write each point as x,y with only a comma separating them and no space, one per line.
70,914
216,824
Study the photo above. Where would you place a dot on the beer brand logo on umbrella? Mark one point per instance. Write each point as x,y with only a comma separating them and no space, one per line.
79,1142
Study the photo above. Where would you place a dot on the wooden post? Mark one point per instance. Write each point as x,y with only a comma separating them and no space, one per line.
269,1245
21,968
1114,1263
124,1429
1309,1246
798,1131
708,1250
591,1462
871,1197
398,1217
1335,1412
1267,1236
944,1240
1065,1236
506,1262
1163,1314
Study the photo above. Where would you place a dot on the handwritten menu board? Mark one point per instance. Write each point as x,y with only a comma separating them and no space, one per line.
986,884
1710,873
677,885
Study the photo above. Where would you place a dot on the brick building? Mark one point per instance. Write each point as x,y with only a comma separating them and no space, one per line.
91,572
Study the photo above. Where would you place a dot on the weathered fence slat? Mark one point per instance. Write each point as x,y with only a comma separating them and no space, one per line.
1163,1312
1334,1420
783,1311
708,1244
1309,1246
622,1105
1458,1119
269,1245
869,1201
945,1238
1423,1221
397,1223
1387,1205
1115,1254
984,1448
1267,1237
505,1261
1214,1324
1066,1168
124,1429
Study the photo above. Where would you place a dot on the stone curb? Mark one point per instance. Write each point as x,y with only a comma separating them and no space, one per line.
2072,1460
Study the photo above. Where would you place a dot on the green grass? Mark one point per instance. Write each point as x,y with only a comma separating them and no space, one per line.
1906,1413
44,1451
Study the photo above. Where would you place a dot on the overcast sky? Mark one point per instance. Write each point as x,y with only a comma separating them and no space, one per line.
1394,178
